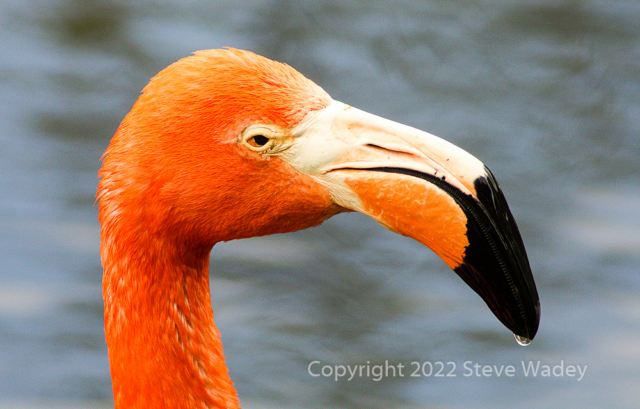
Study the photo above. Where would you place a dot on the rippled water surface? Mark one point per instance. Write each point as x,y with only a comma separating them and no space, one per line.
546,93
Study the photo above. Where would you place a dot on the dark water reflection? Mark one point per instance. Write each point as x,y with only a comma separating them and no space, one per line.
546,93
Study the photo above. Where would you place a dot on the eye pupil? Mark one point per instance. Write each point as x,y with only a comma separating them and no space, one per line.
260,140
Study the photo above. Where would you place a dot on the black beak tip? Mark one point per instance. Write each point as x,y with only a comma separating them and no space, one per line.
496,265
512,279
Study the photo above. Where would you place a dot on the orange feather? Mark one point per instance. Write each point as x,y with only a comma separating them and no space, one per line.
173,183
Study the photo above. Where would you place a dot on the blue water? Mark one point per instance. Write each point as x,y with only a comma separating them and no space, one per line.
547,94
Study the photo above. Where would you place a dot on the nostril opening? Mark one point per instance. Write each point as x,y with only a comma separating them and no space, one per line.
373,145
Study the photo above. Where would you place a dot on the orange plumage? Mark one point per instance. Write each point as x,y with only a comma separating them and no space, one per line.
173,183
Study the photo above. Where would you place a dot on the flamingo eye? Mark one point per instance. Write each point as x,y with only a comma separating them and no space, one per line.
265,139
258,141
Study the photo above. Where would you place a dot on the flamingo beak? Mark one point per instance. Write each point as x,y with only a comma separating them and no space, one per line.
423,187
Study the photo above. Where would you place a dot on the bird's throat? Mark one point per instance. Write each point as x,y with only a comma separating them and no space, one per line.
164,348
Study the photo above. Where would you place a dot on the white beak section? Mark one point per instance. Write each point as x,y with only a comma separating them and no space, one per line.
342,137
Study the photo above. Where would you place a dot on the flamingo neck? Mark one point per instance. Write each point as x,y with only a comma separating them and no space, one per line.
164,348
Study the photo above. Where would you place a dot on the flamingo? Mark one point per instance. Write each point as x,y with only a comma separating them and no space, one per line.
226,144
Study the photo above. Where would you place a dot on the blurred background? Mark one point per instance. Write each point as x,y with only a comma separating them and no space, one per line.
546,93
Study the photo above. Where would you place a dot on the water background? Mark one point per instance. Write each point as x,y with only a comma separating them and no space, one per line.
546,93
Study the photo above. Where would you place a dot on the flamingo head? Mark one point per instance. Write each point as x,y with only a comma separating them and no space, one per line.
225,145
